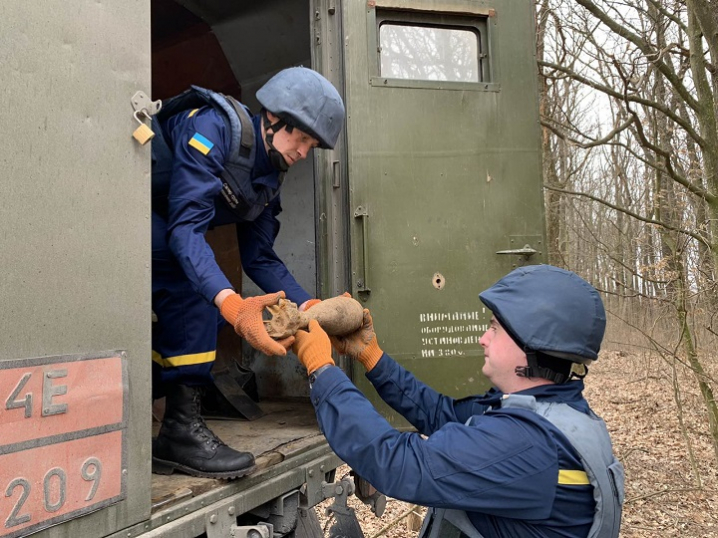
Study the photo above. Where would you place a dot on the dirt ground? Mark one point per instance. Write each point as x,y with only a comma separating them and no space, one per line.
666,494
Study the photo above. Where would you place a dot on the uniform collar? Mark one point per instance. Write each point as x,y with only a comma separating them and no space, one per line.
570,393
566,392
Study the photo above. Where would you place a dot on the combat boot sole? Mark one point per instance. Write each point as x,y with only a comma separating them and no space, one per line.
164,467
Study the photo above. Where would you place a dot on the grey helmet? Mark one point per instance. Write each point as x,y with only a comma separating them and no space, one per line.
549,310
304,99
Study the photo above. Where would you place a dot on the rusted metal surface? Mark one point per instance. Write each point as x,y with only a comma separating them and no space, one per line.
46,399
469,7
63,430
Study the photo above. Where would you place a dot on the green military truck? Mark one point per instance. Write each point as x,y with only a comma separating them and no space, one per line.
432,194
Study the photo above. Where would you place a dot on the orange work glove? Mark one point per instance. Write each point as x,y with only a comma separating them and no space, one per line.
306,305
361,344
245,315
313,348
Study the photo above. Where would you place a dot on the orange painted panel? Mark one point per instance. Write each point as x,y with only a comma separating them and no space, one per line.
41,398
45,485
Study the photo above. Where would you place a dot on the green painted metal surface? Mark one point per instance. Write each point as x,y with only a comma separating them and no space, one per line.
188,519
431,181
74,215
442,177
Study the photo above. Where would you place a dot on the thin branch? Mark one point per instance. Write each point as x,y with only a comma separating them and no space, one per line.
599,142
678,178
632,214
687,127
681,422
672,16
398,520
660,492
645,48
666,353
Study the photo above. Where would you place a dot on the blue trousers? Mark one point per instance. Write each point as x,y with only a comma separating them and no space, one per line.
184,337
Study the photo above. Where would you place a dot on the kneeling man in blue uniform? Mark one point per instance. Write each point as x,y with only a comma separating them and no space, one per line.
215,164
526,459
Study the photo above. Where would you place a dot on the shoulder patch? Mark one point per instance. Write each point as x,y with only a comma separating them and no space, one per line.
201,144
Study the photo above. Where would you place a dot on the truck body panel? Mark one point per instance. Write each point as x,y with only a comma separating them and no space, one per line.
75,219
430,180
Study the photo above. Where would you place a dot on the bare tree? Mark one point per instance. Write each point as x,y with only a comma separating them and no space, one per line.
630,114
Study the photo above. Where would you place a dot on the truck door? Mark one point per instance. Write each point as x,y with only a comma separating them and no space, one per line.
443,148
75,257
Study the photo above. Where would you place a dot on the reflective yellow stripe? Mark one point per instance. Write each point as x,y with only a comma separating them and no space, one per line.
573,478
193,112
183,360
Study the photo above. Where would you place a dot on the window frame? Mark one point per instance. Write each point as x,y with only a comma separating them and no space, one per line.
477,22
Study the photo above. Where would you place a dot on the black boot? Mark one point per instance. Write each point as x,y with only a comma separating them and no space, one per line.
185,443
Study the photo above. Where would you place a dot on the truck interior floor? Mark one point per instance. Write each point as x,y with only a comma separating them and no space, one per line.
288,428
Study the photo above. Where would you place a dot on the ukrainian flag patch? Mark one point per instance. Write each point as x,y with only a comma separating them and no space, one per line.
201,144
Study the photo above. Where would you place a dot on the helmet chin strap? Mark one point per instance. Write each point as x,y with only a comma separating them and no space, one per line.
270,129
534,370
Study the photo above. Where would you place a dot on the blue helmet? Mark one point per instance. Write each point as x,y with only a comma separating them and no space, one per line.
306,100
549,310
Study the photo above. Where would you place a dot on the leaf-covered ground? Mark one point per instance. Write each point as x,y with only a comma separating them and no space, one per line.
669,493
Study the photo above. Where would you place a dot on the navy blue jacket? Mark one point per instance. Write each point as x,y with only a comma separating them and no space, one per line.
502,468
194,205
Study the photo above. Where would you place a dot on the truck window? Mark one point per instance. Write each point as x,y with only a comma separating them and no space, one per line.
428,47
428,53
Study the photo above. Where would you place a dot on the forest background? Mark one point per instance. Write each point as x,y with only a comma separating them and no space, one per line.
629,115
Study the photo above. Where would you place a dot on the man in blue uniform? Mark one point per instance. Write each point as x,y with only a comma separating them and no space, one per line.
214,164
527,459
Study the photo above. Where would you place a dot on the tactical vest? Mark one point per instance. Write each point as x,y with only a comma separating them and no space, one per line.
589,436
246,199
